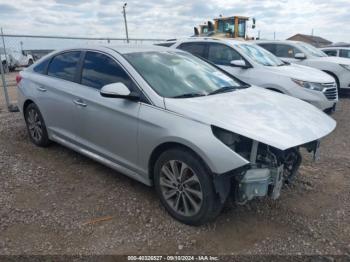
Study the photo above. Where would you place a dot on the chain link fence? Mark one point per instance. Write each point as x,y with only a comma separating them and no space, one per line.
20,51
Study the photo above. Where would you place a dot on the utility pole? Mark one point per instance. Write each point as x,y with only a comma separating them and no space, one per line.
126,25
274,35
2,71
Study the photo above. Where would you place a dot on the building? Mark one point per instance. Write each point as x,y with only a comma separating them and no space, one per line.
311,39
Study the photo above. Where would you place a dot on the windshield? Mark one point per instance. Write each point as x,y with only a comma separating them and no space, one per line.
175,74
259,55
311,50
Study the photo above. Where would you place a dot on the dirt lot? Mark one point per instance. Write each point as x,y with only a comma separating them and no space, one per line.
50,197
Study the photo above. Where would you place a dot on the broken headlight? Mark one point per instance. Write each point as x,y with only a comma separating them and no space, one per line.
240,144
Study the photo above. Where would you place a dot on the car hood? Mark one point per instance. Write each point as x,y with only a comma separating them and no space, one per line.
274,119
303,73
332,59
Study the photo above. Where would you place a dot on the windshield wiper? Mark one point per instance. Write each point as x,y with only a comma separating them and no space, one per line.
188,95
223,90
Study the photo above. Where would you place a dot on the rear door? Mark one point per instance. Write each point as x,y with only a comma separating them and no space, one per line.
54,93
107,126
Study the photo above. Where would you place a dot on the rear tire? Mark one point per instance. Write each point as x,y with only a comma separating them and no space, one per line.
36,126
185,187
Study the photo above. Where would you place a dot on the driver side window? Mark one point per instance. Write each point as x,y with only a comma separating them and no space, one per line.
222,54
99,70
285,51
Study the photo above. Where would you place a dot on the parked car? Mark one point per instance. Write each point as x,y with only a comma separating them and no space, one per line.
337,51
254,65
308,55
169,119
13,58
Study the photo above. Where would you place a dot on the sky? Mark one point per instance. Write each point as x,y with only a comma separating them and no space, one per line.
173,18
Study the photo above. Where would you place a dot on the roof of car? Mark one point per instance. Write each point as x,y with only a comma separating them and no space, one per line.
276,41
132,48
206,39
335,47
122,49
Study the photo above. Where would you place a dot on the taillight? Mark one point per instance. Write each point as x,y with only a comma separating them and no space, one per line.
18,79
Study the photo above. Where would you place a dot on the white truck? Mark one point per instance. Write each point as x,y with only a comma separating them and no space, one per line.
11,59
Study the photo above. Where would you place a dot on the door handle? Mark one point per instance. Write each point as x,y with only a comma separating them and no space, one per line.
41,89
79,102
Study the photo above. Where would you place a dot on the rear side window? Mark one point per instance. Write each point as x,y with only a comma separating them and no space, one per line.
64,65
344,53
41,67
197,49
222,54
330,52
99,70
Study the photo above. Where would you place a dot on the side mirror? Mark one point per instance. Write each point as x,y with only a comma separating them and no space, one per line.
238,63
118,90
300,56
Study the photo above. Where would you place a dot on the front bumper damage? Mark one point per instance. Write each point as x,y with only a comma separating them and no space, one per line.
260,183
265,175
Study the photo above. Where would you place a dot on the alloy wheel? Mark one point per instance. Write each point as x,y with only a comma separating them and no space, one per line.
181,188
34,125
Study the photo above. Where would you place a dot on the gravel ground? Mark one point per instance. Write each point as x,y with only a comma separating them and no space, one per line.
51,201
10,79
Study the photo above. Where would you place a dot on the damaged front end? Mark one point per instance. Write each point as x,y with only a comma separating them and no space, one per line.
268,170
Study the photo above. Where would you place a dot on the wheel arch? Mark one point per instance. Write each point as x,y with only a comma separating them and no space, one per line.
26,104
167,146
334,75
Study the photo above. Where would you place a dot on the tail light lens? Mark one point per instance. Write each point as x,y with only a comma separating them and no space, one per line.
18,78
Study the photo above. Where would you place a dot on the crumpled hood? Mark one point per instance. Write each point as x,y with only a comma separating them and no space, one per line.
303,73
332,59
275,119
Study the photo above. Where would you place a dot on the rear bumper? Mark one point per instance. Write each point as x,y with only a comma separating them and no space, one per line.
20,99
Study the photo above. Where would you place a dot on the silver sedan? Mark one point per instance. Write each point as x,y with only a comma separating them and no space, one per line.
169,119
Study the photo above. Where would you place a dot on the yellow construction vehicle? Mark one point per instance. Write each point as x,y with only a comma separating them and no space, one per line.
225,27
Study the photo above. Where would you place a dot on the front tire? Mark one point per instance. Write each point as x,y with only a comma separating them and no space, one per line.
185,187
36,126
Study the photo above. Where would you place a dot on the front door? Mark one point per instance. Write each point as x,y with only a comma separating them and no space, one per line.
222,55
107,126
